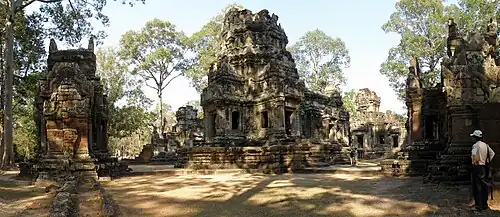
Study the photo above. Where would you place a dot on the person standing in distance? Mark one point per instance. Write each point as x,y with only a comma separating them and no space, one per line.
481,156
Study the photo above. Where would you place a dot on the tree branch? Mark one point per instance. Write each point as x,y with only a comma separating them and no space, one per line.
151,76
150,86
21,4
180,74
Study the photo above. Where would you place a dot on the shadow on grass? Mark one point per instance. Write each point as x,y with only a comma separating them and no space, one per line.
10,190
21,199
286,195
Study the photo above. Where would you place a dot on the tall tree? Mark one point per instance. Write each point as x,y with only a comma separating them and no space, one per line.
128,120
421,25
473,15
119,82
158,54
207,44
320,60
349,99
28,51
70,24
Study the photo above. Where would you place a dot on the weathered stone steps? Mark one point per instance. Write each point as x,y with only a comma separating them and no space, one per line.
65,203
108,205
337,169
74,197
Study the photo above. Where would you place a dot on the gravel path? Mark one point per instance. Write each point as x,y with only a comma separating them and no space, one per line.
287,195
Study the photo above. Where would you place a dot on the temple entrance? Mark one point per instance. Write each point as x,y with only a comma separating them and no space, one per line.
395,141
381,139
211,125
307,131
264,119
235,120
431,127
360,141
288,121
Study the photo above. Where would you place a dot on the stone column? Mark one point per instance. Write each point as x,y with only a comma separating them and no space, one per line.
415,114
104,117
296,126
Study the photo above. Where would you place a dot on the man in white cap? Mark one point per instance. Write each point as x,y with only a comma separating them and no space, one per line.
481,156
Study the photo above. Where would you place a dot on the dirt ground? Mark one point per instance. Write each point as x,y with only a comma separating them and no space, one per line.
20,198
288,195
256,195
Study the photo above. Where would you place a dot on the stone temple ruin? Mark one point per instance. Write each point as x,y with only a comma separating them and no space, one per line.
258,114
468,98
71,116
375,133
186,133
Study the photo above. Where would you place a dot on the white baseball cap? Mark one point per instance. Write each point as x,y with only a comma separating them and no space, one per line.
477,133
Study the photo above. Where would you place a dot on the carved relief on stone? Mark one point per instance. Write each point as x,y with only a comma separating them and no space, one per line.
413,80
70,136
453,37
64,72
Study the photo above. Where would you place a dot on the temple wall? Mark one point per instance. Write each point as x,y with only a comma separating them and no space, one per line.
372,132
443,117
71,117
255,94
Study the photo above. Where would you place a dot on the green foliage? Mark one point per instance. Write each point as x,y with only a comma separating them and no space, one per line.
422,27
473,15
168,116
320,60
24,137
126,123
206,43
126,120
71,21
25,132
196,105
117,79
349,99
131,145
29,49
158,54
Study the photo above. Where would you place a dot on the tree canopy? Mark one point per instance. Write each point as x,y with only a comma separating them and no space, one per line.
349,99
157,54
206,43
320,60
421,25
24,58
122,86
71,20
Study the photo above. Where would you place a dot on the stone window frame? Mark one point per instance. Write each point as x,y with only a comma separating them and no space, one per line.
238,123
264,119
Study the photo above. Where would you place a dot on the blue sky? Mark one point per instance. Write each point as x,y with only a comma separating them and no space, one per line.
357,22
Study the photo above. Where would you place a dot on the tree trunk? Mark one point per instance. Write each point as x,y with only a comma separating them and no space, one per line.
8,132
2,99
162,125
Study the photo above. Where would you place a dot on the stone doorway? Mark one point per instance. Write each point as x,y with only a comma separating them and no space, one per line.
288,121
360,141
395,141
